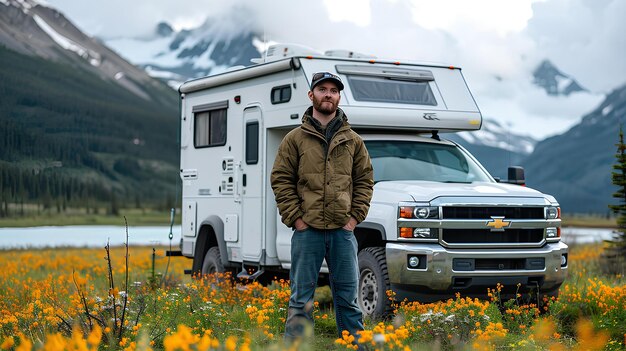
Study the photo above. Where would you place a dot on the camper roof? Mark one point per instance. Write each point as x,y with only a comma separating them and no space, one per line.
273,66
384,94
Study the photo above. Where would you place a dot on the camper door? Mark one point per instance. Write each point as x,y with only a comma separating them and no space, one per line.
251,188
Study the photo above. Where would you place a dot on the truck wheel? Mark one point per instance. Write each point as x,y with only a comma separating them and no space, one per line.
212,262
373,283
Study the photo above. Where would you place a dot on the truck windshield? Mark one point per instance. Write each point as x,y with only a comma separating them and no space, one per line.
411,160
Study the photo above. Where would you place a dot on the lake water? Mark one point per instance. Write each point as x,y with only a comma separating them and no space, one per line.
87,236
97,236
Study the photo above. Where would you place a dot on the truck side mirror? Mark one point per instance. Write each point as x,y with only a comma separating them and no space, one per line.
516,175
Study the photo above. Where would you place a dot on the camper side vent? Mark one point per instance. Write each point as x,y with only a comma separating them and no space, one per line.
228,186
228,165
189,174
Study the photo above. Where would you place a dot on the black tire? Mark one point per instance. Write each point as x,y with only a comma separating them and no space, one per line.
373,283
212,262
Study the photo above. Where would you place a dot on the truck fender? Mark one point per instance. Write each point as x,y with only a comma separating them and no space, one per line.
211,234
370,234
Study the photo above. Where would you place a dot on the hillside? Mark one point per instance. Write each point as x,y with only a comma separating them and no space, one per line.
79,126
70,138
37,30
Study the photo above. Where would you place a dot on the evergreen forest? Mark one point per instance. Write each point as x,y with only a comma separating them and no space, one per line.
71,138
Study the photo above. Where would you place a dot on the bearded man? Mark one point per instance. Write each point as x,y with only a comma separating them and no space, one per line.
323,182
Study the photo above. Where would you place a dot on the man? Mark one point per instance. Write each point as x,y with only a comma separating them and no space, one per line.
323,182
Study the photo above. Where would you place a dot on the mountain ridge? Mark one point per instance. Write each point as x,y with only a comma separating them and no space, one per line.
33,29
555,82
177,56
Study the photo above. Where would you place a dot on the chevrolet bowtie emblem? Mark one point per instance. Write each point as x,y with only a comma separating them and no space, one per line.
497,224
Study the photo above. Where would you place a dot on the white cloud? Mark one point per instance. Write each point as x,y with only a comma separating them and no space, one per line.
583,37
456,16
355,11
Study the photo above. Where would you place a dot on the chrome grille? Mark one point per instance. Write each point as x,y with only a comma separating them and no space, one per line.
469,212
486,236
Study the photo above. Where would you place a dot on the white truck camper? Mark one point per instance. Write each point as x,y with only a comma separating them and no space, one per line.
438,224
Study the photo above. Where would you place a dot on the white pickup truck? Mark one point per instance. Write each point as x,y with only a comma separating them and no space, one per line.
439,223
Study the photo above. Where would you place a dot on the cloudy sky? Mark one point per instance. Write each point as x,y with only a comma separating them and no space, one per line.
497,43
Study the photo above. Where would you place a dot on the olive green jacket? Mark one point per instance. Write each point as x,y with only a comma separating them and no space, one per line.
323,182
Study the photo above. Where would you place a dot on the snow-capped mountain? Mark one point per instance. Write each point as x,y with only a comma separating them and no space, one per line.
495,146
576,166
555,82
34,29
176,56
493,134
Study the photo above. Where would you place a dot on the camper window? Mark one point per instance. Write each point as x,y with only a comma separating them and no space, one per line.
281,94
384,89
210,128
252,143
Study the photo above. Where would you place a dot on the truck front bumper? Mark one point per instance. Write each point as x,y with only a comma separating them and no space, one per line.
442,272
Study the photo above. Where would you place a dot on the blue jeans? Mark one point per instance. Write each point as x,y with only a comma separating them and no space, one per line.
308,249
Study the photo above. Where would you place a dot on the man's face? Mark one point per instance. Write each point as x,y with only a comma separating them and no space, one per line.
325,97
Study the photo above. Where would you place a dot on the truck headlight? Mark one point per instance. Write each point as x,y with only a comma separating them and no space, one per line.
418,212
553,212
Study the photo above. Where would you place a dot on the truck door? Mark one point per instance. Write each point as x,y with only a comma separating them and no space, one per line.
251,189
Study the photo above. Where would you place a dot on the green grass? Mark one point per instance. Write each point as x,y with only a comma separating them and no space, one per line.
135,217
588,221
34,218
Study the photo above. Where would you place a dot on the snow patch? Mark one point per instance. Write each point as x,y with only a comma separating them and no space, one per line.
64,42
67,43
5,2
262,46
204,61
494,135
607,110
174,84
119,75
155,73
25,5
562,83
173,80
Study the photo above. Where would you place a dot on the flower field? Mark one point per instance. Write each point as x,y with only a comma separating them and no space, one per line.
99,299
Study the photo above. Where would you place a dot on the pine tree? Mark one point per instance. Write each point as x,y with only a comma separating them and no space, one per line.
615,252
114,210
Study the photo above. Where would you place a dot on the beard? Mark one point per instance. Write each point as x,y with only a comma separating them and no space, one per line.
325,106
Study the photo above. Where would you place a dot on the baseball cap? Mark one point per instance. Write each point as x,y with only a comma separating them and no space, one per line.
322,76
